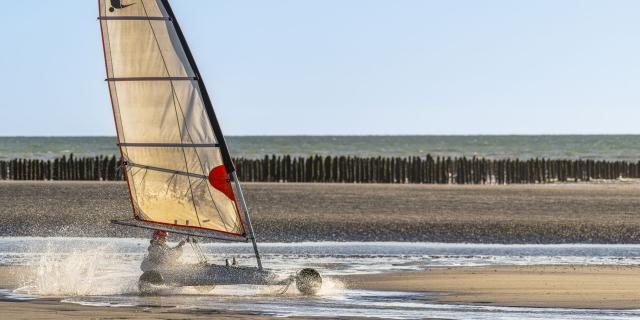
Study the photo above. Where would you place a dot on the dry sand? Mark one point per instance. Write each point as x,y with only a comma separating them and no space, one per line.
608,287
589,213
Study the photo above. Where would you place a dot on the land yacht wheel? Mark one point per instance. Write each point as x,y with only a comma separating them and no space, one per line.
308,281
148,280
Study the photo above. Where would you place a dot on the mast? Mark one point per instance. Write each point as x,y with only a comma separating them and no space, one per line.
243,204
226,157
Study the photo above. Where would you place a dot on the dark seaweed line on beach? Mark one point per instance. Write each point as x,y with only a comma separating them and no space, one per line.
345,169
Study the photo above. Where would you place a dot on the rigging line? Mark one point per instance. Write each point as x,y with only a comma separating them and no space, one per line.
202,168
144,176
202,90
135,190
226,158
169,183
200,182
164,62
222,219
193,248
200,161
133,174
196,247
184,153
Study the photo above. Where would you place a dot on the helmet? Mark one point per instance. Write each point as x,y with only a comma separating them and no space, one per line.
159,233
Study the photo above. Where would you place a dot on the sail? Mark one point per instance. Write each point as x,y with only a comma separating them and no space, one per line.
176,163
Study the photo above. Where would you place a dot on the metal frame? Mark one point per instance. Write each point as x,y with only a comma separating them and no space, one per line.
205,233
245,210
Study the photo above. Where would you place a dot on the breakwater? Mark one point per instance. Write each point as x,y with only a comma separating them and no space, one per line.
351,169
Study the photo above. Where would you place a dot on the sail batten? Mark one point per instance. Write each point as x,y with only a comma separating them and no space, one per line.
187,174
170,141
170,145
133,18
151,79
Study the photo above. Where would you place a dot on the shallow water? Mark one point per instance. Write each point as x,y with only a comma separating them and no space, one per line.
104,271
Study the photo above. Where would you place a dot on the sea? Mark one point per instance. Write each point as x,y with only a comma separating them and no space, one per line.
596,147
104,271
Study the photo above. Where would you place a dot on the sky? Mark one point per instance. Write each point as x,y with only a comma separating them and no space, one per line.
342,67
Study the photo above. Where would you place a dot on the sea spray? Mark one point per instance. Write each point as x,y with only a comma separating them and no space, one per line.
81,272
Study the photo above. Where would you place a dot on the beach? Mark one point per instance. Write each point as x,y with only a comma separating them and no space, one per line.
293,212
52,309
305,213
591,287
574,286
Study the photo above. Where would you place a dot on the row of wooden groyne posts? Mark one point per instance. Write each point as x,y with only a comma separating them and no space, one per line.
351,169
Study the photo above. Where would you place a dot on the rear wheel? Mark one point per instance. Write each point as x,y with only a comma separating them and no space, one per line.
308,281
148,280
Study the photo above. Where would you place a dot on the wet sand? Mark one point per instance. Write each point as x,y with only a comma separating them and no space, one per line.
569,213
52,309
607,287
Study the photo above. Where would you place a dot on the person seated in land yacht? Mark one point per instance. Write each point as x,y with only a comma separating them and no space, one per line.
160,254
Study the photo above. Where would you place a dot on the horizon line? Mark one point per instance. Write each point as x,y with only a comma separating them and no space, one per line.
354,135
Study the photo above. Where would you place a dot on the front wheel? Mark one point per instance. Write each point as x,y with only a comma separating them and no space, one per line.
308,281
148,280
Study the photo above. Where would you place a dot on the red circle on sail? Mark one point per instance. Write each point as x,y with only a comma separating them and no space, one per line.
219,179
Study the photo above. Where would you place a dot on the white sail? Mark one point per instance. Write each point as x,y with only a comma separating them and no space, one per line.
175,159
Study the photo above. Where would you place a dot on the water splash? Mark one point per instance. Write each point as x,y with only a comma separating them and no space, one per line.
103,272
96,271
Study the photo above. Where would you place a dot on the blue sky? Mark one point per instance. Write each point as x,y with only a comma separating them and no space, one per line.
348,66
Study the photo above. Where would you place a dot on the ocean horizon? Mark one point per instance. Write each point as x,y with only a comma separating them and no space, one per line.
575,146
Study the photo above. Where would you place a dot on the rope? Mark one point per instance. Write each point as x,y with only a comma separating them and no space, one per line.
197,249
286,286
